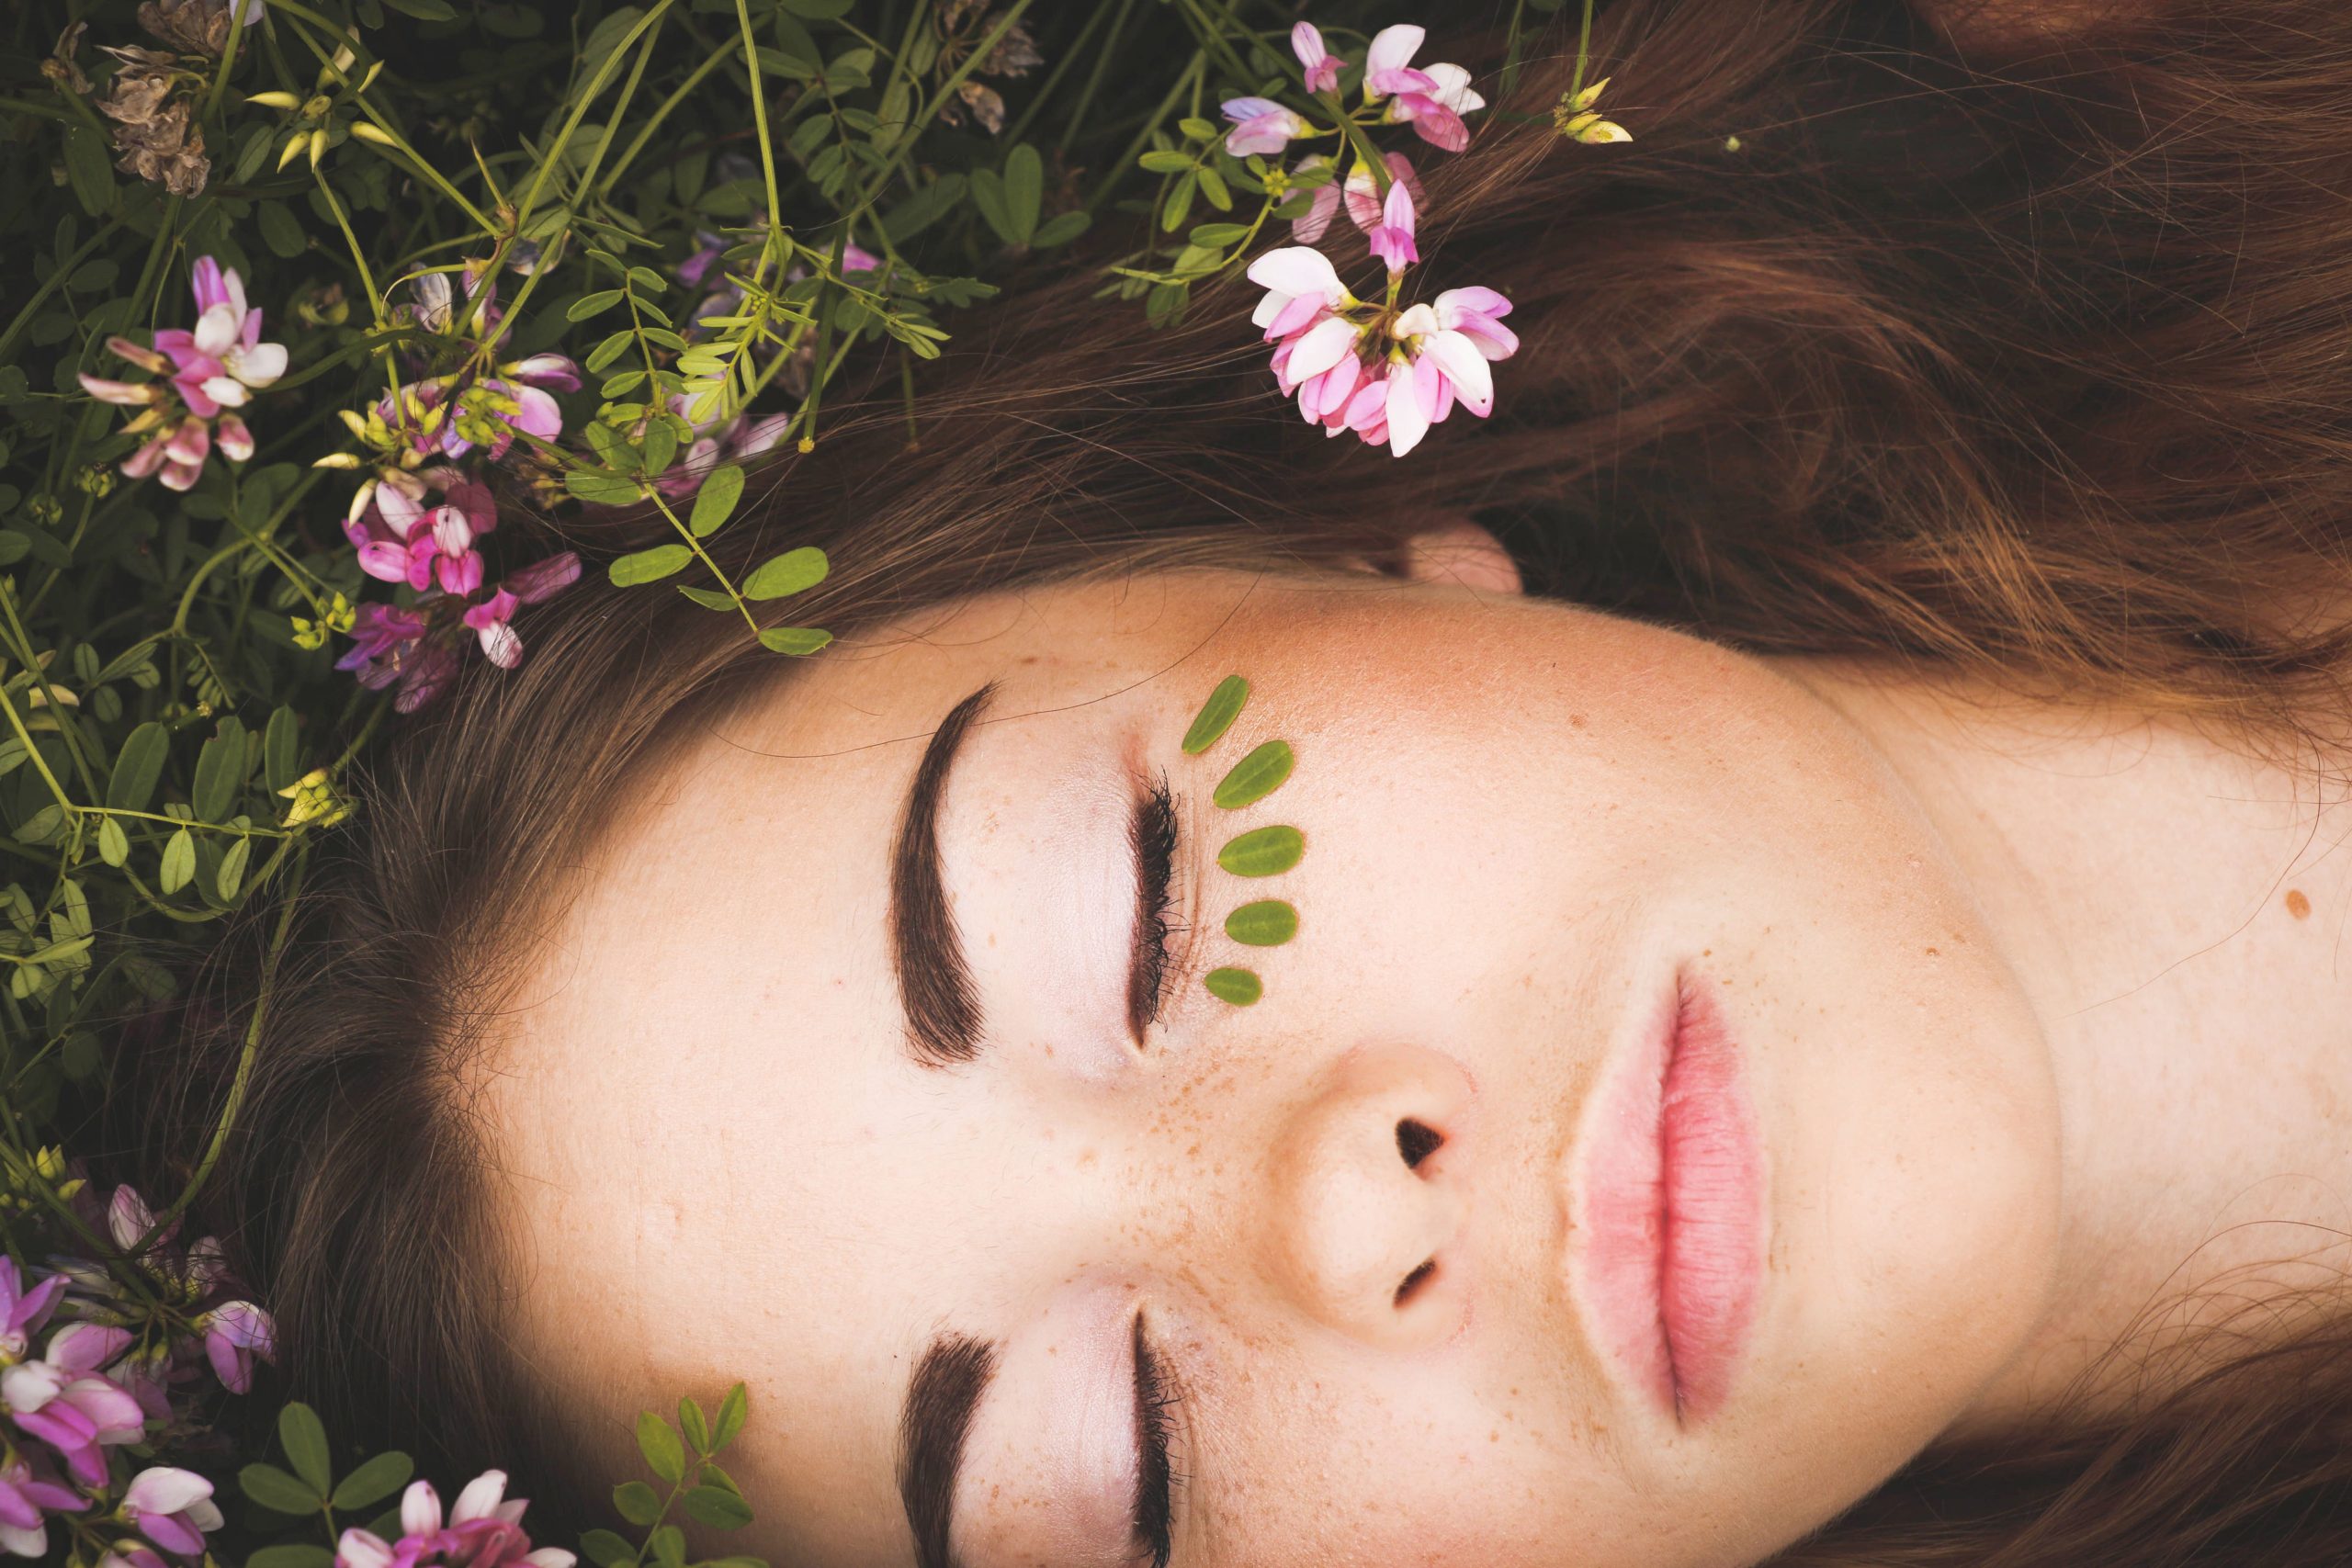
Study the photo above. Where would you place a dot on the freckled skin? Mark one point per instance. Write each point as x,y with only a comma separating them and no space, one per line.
1520,817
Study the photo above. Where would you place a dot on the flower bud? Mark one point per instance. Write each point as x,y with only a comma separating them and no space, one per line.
273,100
367,131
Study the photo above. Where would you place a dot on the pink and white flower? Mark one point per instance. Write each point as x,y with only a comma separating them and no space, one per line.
1363,193
212,370
483,1530
1392,238
27,1497
172,1508
490,621
1262,125
1433,99
1322,67
24,1311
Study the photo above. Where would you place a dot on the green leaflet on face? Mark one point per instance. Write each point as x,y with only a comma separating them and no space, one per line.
1239,986
1269,922
1216,715
1262,852
1256,776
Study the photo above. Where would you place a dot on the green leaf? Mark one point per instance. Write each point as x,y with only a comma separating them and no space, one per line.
280,229
1212,187
44,826
604,1548
233,868
988,195
668,1546
714,502
1256,776
1239,986
658,1441
636,1502
649,566
694,1425
281,755
1024,190
599,488
1216,236
305,1439
114,846
798,642
424,10
88,169
294,1554
373,1482
1262,852
1216,715
219,772
1269,922
14,544
1063,228
794,571
732,1412
818,10
709,598
1178,204
718,1507
594,304
1166,162
179,862
276,1490
139,767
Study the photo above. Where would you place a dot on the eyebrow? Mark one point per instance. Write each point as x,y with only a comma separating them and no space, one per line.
941,1399
936,984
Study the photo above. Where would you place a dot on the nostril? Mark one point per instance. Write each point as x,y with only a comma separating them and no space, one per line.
1414,1280
1417,1141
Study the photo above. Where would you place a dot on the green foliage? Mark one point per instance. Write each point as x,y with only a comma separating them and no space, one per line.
1216,715
1269,922
1262,852
1256,776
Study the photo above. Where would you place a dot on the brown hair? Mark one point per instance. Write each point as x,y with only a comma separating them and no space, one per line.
2036,371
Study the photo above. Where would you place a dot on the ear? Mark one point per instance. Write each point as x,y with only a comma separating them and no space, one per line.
1458,551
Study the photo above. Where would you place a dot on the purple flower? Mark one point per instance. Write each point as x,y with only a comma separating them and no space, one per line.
235,1333
26,1496
1322,66
739,438
23,1311
490,621
1392,240
1259,125
484,1530
172,1508
211,370
400,539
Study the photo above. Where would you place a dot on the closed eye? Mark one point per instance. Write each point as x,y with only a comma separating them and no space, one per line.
1152,834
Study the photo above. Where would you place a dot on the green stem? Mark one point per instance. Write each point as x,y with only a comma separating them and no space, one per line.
662,113
767,147
238,1085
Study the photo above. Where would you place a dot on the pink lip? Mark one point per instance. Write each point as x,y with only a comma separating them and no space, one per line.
1670,1210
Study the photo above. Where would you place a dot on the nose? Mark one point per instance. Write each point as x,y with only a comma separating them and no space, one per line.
1369,1196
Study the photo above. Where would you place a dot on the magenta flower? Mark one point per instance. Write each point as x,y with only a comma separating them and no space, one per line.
26,1498
1322,66
1392,239
172,1508
22,1311
234,1333
211,370
400,539
1363,189
1301,288
490,621
482,1531
392,645
739,438
1323,201
1261,125
75,1416
1433,99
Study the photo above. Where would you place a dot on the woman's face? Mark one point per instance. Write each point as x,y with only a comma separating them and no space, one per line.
1383,1258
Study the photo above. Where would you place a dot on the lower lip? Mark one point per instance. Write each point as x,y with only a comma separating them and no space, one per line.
1670,1210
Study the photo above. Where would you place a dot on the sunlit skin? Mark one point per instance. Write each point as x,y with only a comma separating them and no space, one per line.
1953,945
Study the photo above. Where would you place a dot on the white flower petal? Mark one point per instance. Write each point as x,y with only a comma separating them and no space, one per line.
1325,345
1392,48
1464,366
1297,269
226,391
162,1489
419,1507
261,365
219,330
479,1499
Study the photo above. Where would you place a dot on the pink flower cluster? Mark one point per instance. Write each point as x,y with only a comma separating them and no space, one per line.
1430,98
418,523
77,1388
483,1530
405,535
1385,374
206,374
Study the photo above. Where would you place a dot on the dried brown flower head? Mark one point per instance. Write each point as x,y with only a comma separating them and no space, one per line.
963,26
153,129
197,26
61,67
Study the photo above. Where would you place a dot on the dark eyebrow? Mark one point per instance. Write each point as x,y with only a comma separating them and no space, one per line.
936,984
940,1397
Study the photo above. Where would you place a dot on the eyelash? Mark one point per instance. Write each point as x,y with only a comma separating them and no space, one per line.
1155,1397
1154,832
